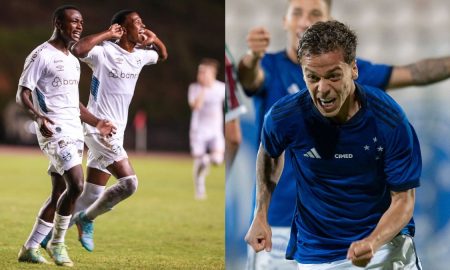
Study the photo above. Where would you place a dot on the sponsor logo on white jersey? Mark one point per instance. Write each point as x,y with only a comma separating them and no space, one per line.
57,82
114,73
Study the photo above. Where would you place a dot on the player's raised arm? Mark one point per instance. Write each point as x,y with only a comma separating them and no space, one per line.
251,74
149,37
268,171
84,45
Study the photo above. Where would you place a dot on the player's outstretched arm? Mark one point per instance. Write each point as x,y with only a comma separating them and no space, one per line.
84,45
104,127
24,99
268,172
250,72
391,223
423,72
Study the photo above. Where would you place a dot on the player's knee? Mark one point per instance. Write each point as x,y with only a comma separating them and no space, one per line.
129,185
75,189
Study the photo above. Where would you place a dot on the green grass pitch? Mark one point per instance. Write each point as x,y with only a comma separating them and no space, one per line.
159,227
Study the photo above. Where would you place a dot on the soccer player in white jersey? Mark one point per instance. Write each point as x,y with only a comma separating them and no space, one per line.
48,88
206,97
116,57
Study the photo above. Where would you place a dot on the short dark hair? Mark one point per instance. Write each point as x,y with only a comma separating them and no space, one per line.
210,62
59,13
121,15
325,37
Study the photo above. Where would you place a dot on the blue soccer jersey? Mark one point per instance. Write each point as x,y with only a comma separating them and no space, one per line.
344,172
283,77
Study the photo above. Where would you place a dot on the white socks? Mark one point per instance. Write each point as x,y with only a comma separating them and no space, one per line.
60,228
91,192
39,232
201,169
116,193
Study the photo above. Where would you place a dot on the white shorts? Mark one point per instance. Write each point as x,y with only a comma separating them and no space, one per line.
64,153
104,151
275,259
400,253
200,145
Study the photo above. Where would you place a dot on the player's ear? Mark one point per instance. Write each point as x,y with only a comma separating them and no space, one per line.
354,70
58,24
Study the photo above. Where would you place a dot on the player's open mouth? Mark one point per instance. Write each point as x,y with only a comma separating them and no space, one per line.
77,34
327,103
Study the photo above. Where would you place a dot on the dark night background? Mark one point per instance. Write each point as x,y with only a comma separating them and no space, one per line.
190,29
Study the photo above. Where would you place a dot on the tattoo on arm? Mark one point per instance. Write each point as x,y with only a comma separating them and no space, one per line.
429,70
268,172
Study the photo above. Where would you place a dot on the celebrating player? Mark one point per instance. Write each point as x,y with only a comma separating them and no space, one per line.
356,162
269,76
50,78
116,57
206,97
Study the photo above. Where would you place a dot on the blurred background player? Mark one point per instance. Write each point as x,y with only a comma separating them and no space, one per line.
116,57
206,98
48,88
267,77
233,109
357,164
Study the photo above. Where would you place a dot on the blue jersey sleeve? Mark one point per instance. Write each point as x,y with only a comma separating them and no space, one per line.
376,75
403,161
273,137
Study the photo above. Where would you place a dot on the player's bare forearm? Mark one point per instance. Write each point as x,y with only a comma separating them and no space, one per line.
268,172
395,218
104,127
162,50
42,121
87,117
423,72
25,101
391,223
84,45
250,73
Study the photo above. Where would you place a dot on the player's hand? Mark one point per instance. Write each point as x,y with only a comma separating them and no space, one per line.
258,39
116,31
44,126
259,236
361,252
146,37
106,128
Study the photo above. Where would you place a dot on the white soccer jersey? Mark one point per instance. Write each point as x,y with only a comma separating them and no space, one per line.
115,73
53,78
208,120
